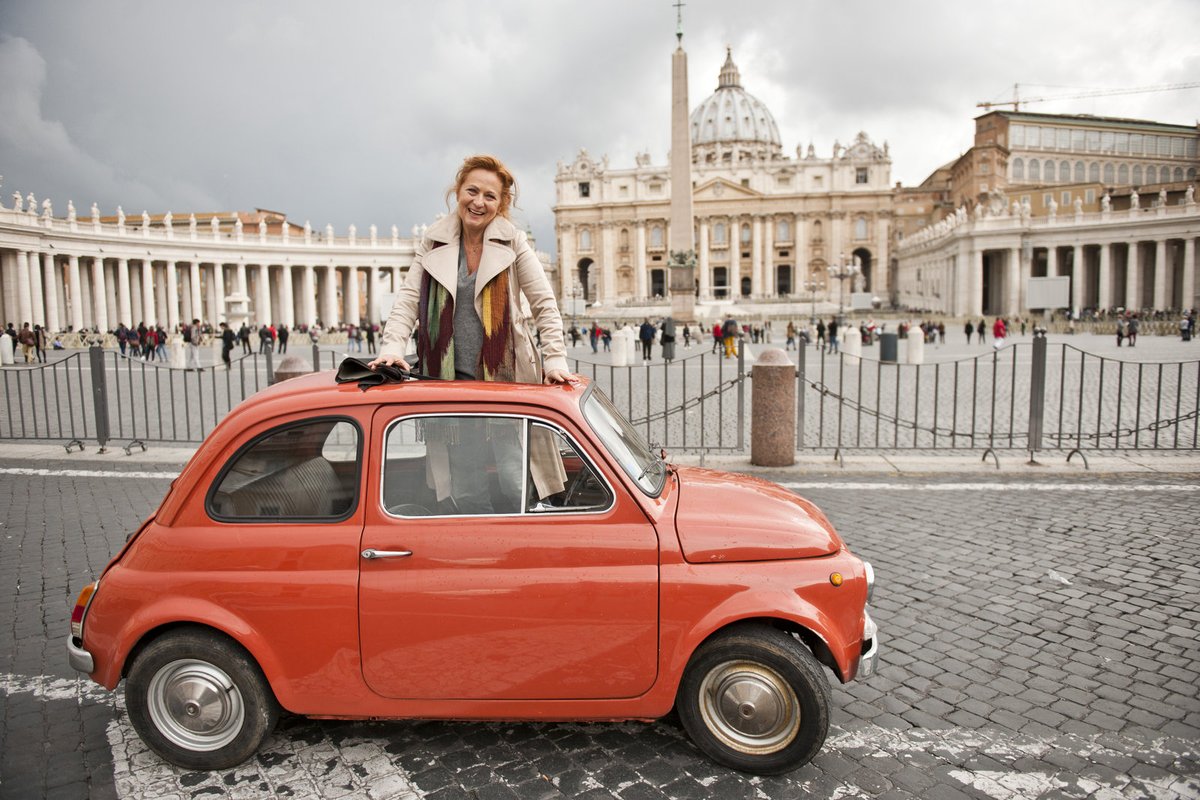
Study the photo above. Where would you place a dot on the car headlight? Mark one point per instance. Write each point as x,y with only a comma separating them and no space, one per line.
870,579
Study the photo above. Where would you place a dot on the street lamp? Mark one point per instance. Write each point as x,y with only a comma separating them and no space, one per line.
811,285
840,272
575,292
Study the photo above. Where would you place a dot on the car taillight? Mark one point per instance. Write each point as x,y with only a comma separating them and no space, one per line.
870,579
81,607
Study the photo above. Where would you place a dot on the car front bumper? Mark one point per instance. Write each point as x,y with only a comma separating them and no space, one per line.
868,662
81,660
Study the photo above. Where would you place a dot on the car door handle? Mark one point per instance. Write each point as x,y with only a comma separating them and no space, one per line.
371,553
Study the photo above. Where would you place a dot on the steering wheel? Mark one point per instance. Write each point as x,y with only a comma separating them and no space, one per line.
576,487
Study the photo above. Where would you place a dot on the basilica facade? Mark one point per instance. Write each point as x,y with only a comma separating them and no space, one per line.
767,225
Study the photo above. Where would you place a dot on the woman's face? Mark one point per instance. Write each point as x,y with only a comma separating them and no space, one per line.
479,200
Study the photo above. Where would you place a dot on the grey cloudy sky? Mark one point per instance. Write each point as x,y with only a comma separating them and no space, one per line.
359,112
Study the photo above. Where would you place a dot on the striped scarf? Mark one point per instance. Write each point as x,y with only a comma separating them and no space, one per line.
435,337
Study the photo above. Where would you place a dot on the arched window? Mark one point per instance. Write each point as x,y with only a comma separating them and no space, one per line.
1094,172
1064,171
860,228
1080,172
783,231
745,233
1178,174
1151,175
1049,171
585,239
718,233
1018,169
624,238
1191,173
1137,175
1035,169
1123,174
817,232
656,236
1110,173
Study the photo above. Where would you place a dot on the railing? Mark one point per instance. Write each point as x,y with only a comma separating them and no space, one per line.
1022,397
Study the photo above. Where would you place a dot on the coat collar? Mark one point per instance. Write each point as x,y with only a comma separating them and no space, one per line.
441,261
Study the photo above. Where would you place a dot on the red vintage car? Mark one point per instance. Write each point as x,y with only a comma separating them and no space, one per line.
470,550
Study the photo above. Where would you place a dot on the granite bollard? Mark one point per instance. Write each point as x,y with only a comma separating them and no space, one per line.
773,410
292,366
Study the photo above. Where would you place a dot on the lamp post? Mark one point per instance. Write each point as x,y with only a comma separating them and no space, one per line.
840,272
811,285
575,292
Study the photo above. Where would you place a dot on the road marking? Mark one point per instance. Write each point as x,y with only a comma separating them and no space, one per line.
84,473
986,487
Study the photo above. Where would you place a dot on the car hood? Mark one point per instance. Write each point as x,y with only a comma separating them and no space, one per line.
723,517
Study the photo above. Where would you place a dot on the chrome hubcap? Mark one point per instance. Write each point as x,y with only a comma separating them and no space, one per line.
195,705
749,707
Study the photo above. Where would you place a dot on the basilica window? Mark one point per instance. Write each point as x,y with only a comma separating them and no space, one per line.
783,180
719,233
1035,169
585,240
1080,175
783,231
1018,169
1122,142
1094,172
1164,145
1078,140
1151,175
1049,171
1123,174
1106,141
1190,148
745,233
1093,140
1191,173
1064,139
1034,136
817,232
1135,143
656,236
860,175
1089,196
624,240
1066,199
1110,173
1178,174
1017,133
1137,175
860,228
1064,171
585,189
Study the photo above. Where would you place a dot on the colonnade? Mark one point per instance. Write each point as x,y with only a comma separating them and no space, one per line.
1140,260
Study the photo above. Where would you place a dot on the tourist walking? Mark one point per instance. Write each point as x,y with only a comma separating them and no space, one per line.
790,344
193,345
821,334
283,337
981,329
39,343
1131,331
227,338
831,330
729,332
244,338
646,337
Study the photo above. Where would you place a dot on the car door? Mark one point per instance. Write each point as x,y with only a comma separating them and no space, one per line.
502,590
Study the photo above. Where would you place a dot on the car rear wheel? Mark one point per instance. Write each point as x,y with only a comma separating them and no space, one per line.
756,700
199,700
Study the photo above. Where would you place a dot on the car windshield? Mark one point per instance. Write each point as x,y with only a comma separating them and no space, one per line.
624,443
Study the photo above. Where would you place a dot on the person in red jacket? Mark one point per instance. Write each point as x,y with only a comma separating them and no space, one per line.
999,329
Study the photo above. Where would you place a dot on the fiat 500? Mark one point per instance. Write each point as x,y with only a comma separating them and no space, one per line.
469,550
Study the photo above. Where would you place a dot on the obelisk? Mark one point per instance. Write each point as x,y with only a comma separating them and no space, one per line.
683,253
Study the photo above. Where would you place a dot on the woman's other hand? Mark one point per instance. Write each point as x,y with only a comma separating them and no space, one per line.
389,361
559,376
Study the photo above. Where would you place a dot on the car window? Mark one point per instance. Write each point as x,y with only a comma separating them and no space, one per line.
624,443
485,465
301,471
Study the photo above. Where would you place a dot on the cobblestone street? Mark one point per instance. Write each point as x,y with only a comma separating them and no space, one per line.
1039,640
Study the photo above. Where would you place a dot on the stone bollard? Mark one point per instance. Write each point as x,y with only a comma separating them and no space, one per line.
6,349
851,344
914,353
620,355
291,367
773,411
178,359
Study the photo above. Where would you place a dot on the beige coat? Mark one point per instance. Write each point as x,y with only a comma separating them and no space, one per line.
505,247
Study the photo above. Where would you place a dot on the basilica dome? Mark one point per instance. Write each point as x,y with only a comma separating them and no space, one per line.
732,124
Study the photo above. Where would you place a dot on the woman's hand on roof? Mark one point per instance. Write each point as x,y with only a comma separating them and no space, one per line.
389,361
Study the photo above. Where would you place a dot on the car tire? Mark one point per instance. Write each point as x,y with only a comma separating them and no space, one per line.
755,699
199,700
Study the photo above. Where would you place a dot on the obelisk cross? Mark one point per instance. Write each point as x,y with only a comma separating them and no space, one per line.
679,19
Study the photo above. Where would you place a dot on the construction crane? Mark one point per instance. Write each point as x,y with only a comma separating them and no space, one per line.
1018,100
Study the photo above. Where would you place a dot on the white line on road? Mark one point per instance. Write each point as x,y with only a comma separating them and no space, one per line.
85,473
987,487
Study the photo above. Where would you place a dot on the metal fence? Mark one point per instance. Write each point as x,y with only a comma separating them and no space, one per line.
1022,397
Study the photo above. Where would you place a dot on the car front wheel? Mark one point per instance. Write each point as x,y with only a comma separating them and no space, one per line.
199,700
755,699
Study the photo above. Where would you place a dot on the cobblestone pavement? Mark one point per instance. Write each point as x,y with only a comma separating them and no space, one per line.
1039,640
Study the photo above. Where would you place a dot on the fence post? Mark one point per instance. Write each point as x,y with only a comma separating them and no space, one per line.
270,367
99,394
316,358
741,394
1037,391
801,358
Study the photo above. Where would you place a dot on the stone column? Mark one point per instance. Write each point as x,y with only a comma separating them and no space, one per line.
1051,261
197,299
1161,289
124,306
214,313
702,258
1104,284
880,285
110,296
309,288
99,295
1133,264
262,304
756,257
837,238
149,313
288,303
734,275
1189,273
50,288
1078,278
608,263
353,316
219,291
1026,272
639,260
768,258
24,291
329,315
76,294
36,293
163,303
800,239
173,295
1012,282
